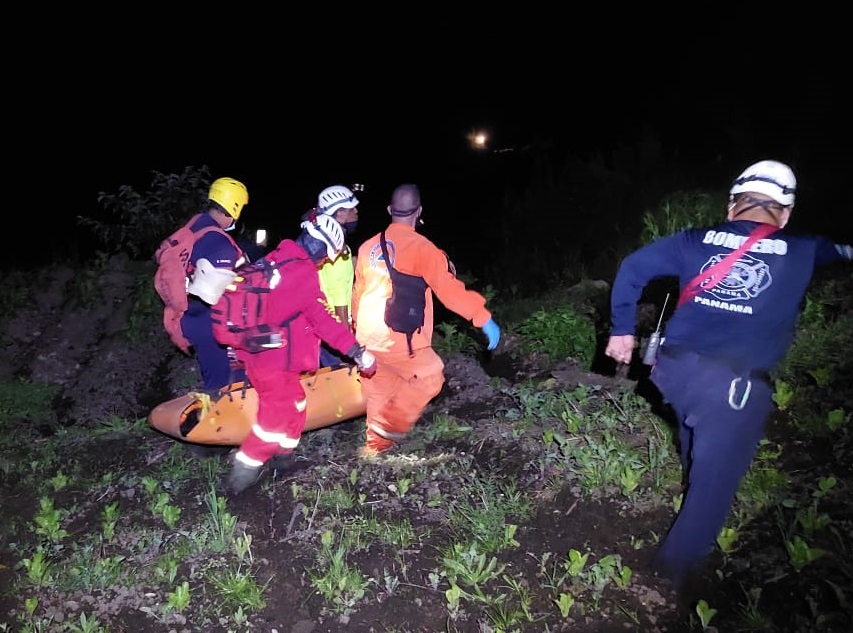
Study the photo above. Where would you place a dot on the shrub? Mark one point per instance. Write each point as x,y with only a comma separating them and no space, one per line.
682,210
138,222
559,333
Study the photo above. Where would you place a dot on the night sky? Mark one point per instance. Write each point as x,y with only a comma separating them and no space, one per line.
382,118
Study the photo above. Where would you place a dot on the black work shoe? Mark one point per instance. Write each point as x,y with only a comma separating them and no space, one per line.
282,463
242,477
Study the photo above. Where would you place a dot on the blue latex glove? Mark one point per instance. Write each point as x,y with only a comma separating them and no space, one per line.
492,332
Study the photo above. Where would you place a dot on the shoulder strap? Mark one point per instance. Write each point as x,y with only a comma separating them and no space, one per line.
207,229
384,246
218,229
391,272
717,272
192,221
282,262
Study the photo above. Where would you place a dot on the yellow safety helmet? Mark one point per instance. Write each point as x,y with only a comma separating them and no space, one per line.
229,194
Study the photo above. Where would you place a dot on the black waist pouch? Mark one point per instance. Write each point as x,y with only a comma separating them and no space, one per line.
404,310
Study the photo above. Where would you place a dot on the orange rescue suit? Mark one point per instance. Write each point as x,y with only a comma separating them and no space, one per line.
403,385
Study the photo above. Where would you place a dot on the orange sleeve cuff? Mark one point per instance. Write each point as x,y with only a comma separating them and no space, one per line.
481,318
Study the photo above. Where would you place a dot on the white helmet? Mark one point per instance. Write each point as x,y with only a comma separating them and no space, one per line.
326,229
769,177
336,197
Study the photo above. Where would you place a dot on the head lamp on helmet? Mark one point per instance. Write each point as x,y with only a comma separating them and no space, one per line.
768,177
328,231
229,194
336,197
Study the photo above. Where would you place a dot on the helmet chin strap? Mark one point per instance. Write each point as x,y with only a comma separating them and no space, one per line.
315,248
764,205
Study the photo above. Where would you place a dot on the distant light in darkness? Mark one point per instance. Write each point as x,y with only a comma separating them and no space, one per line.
478,139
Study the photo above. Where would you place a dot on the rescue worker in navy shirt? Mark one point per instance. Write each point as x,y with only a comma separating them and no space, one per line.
721,345
214,257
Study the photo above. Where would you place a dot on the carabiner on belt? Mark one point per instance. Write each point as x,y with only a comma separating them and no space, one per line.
733,393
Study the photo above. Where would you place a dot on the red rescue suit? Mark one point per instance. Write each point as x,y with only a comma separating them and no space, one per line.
274,373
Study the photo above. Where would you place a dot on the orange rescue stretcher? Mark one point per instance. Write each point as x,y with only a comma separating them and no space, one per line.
333,394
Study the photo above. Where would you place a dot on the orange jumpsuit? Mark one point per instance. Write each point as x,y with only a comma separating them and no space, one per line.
403,385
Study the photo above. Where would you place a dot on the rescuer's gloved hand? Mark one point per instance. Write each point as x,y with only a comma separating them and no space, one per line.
365,360
492,332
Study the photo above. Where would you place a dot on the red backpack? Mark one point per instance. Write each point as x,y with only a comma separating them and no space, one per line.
241,316
173,271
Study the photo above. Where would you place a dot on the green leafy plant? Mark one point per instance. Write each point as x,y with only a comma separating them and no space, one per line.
606,460
452,340
48,521
109,519
483,511
629,478
507,612
705,613
681,210
783,394
811,520
160,506
553,573
837,418
466,565
576,562
38,568
236,588
726,539
560,333
59,481
824,485
823,333
821,375
601,573
221,523
565,602
800,553
179,599
443,427
752,616
85,624
337,498
166,568
454,599
402,486
337,581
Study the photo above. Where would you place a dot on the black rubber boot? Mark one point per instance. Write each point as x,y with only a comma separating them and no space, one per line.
242,477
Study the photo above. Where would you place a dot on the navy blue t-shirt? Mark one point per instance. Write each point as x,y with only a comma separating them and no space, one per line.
215,248
749,318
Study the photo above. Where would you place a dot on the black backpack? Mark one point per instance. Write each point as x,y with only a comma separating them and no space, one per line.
404,310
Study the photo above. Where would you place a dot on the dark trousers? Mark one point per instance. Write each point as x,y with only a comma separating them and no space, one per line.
721,416
212,357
